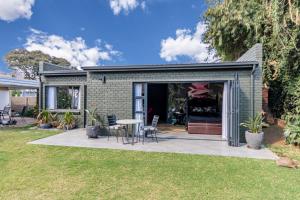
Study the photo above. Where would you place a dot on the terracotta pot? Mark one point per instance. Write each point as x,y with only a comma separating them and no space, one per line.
254,140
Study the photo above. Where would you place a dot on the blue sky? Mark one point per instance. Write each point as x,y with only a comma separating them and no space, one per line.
105,32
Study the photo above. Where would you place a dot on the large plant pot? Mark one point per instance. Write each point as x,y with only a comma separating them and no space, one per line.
254,140
92,131
102,131
45,126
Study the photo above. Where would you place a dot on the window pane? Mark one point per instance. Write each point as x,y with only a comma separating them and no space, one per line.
64,98
75,98
51,97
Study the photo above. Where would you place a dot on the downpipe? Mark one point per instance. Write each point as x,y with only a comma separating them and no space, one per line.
253,89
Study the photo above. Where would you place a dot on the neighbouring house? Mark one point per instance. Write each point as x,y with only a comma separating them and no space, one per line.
206,98
19,75
17,91
9,84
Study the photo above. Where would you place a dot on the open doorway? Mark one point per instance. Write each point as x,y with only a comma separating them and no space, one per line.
157,102
195,108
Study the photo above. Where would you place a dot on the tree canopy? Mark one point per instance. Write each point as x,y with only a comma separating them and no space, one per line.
233,26
28,61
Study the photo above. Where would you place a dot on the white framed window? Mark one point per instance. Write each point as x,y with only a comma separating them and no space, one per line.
62,97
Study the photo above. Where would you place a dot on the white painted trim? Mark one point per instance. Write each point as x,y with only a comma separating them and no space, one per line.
224,111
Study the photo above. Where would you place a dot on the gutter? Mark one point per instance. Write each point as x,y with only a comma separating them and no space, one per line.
66,73
40,94
181,68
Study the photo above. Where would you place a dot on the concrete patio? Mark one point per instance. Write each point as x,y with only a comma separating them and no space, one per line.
171,143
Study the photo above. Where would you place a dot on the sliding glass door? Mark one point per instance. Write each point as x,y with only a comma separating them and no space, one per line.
233,112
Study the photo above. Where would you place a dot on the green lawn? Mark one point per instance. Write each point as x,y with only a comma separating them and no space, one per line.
48,172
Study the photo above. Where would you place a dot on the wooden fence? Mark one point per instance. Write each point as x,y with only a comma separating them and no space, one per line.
17,103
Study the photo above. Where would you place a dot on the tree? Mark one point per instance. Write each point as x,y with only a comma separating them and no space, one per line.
233,26
28,61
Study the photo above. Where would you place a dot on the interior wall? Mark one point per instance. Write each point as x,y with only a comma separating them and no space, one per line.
157,101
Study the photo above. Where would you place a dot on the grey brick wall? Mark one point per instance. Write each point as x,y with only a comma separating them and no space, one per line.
255,53
116,95
69,81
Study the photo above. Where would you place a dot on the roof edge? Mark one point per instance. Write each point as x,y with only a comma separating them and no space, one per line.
195,66
64,73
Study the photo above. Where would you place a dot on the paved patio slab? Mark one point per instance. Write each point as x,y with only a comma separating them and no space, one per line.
172,143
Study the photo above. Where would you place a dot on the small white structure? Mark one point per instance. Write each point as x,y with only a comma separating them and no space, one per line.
7,84
4,98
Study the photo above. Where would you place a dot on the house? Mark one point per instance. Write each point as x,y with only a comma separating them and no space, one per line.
9,83
209,98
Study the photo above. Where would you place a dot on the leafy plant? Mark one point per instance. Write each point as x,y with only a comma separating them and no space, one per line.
55,121
292,130
68,121
100,119
35,110
235,26
28,61
64,99
255,124
16,93
44,117
29,112
94,117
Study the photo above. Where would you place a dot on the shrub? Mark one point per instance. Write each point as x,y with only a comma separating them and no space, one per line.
292,130
68,121
29,113
44,117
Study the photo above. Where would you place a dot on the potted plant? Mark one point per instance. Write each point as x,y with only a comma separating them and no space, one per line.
44,119
68,121
101,128
254,134
91,128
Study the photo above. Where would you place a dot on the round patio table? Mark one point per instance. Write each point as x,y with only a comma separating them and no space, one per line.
128,122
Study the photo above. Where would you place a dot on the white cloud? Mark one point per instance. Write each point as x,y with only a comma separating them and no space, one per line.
11,10
188,44
125,5
143,5
75,51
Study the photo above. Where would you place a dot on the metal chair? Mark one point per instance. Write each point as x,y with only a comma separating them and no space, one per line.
21,114
151,129
114,127
5,111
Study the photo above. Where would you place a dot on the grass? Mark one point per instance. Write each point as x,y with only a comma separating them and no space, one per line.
49,172
276,142
290,151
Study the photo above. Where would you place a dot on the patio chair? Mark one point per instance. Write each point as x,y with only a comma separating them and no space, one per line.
151,129
113,127
5,112
21,114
